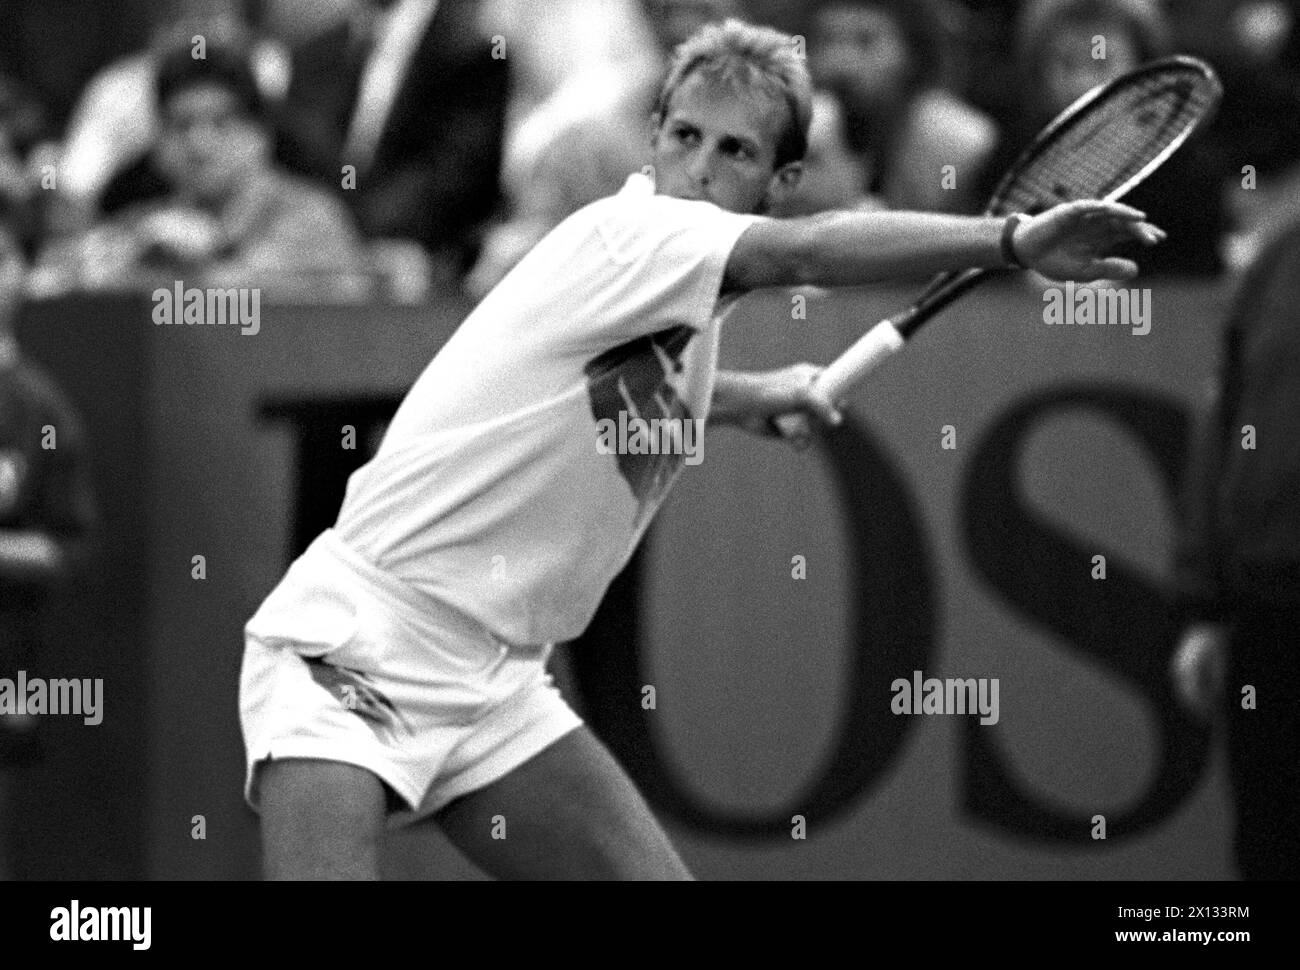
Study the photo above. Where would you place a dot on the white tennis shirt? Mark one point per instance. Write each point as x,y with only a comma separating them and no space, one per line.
489,492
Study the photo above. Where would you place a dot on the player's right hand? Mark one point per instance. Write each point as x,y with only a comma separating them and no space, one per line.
1198,665
790,392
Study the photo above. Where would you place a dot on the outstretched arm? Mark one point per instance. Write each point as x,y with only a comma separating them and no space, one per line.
1068,241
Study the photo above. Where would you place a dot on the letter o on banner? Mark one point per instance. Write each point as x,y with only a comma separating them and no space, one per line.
894,626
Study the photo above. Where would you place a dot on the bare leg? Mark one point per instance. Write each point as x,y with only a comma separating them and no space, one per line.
571,812
320,820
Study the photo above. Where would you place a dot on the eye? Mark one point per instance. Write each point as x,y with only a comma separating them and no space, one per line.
739,150
686,134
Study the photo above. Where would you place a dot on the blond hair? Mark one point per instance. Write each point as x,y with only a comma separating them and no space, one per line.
746,59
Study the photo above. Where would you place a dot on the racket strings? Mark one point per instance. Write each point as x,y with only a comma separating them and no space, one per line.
1110,144
1097,151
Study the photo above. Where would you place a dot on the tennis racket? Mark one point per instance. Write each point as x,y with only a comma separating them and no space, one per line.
1100,147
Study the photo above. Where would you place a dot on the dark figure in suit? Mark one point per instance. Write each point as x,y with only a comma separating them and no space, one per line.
413,95
46,513
1239,563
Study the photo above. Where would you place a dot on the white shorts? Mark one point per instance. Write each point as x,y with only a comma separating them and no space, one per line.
344,662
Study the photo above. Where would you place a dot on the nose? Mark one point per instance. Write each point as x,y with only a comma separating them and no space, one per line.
701,167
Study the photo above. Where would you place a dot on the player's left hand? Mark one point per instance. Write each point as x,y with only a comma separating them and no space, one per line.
1070,241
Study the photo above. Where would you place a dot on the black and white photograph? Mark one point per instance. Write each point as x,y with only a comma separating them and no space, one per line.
741,441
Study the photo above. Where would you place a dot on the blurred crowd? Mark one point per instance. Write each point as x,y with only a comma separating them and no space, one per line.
382,149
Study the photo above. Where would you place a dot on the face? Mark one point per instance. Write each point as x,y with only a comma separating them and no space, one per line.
861,53
717,146
1070,70
208,146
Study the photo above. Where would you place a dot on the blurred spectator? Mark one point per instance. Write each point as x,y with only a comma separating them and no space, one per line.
228,217
888,62
114,127
22,123
989,81
1067,47
1261,206
556,43
1261,69
1239,562
584,143
834,177
1257,131
410,95
46,511
1057,46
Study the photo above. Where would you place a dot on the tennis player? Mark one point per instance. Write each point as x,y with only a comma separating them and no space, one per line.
398,672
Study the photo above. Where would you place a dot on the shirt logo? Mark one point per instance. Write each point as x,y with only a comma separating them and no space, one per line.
358,694
640,378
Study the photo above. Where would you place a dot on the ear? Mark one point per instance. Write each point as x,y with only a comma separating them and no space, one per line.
782,184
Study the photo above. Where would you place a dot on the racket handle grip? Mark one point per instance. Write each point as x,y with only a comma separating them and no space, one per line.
844,373
850,367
